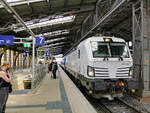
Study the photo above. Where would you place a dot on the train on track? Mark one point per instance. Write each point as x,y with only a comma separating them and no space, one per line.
103,66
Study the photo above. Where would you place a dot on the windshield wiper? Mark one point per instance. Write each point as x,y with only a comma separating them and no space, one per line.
105,58
120,58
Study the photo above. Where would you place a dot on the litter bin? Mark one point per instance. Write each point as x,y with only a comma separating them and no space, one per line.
27,84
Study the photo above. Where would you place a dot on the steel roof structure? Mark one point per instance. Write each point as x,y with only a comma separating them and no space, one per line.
107,17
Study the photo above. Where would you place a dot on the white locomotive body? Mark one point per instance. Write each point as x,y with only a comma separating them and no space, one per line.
103,65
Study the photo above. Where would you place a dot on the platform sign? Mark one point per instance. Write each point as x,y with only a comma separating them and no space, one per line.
25,54
27,45
6,40
40,41
47,54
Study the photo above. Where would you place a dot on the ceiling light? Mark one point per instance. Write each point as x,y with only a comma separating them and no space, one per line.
47,22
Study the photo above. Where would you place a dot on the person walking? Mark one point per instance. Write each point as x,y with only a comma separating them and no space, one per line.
5,80
54,68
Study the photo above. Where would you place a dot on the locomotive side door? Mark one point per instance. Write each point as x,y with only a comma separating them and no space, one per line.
78,60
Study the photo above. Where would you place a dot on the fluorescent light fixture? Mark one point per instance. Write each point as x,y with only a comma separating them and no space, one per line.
51,45
20,2
46,22
55,33
49,41
13,0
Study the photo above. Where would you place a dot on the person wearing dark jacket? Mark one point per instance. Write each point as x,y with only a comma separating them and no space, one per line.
5,80
50,67
54,68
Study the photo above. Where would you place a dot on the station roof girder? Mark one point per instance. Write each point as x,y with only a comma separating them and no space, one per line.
36,10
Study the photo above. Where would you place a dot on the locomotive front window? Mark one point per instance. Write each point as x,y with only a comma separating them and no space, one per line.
102,49
119,50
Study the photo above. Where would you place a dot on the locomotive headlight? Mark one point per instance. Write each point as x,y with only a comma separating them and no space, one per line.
131,72
108,40
90,71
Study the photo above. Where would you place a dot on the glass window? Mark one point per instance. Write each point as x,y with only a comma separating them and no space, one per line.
119,50
102,49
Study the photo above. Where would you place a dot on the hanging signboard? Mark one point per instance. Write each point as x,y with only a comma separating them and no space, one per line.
6,40
40,41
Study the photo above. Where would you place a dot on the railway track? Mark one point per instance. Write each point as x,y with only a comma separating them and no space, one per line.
134,103
115,106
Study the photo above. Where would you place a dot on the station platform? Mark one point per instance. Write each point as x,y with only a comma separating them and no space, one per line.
58,95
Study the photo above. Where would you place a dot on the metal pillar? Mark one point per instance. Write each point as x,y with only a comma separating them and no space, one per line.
33,61
141,42
146,48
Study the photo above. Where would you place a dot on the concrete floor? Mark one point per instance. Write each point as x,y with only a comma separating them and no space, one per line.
52,96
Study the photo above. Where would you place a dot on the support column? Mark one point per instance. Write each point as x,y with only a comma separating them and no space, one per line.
141,40
7,53
146,48
1,54
30,60
5,56
10,57
18,60
14,55
24,62
21,60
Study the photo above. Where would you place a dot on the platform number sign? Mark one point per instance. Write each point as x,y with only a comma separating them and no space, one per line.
40,41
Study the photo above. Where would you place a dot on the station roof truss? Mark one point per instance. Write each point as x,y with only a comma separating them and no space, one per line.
66,23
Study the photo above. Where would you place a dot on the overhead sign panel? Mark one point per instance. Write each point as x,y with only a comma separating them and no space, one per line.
40,41
47,54
27,45
6,40
25,54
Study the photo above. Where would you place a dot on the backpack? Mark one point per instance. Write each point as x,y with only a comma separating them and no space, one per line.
50,67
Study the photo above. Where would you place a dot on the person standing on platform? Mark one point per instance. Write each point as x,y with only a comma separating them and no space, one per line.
54,68
5,80
50,67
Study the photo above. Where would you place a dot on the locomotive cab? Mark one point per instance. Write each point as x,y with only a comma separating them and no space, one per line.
110,59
